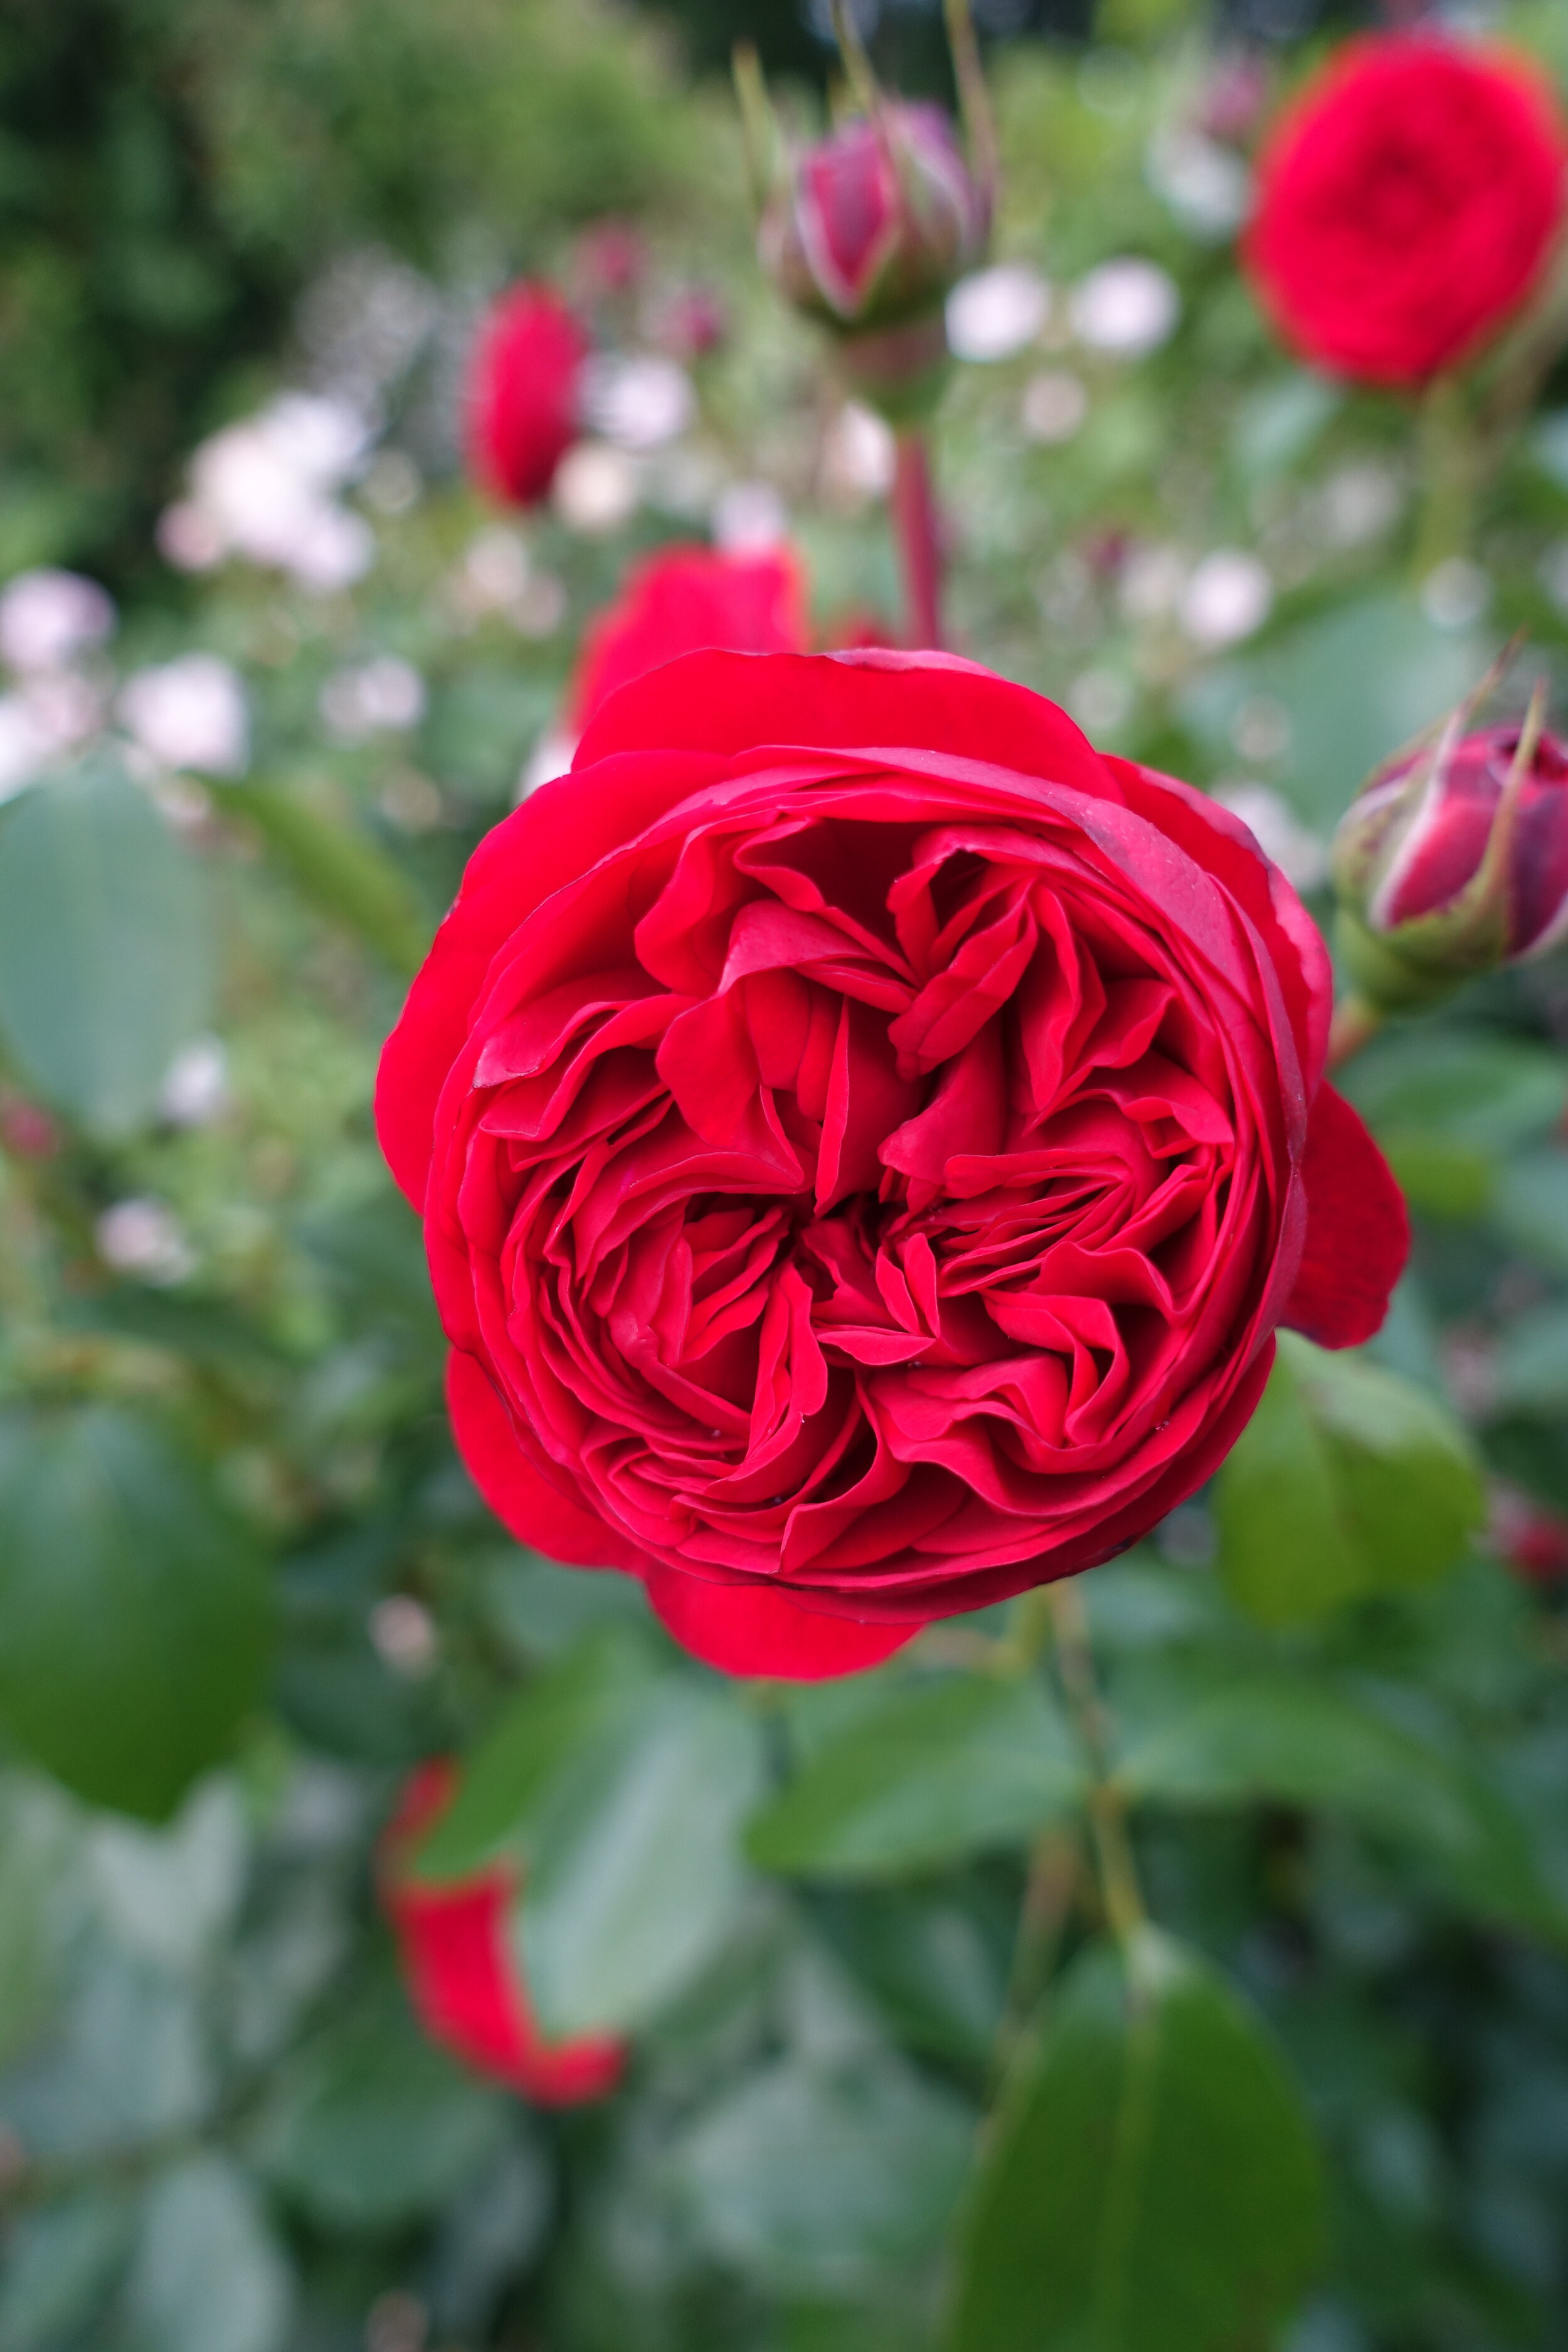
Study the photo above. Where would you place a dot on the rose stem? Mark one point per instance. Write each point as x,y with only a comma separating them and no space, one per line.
1354,1022
1448,475
915,521
1118,1872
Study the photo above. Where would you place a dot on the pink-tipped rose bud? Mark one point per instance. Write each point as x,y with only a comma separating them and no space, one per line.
524,392
867,230
1452,862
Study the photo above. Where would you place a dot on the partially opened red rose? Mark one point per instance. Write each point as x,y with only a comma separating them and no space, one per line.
865,1139
462,1972
522,393
1408,202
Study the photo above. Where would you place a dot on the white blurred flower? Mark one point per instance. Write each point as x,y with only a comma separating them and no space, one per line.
403,1634
189,713
393,483
749,518
385,696
995,312
494,572
1206,185
858,454
195,1088
595,488
1456,594
25,748
67,707
1359,503
1128,307
1228,597
1054,404
47,617
1301,857
1152,579
551,757
145,1238
638,402
263,489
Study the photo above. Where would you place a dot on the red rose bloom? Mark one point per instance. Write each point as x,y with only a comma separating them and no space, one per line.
462,1973
681,601
1407,202
522,394
865,1139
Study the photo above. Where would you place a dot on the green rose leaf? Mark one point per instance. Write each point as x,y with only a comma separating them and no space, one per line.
934,1770
1349,1479
1151,2178
134,1616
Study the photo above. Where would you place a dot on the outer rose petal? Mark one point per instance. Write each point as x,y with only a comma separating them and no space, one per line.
524,1502
1358,1231
755,1629
462,1979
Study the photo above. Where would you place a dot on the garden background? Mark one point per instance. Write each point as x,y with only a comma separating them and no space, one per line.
246,1588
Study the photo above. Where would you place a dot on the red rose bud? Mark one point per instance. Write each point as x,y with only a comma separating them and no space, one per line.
523,392
1454,861
1528,1536
1408,202
868,228
461,1966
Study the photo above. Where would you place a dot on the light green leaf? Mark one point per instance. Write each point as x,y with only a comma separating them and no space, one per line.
1529,1206
520,1762
106,953
1285,1740
635,1870
1472,1089
208,2275
1529,1373
826,2183
937,1769
133,1611
1151,2180
340,870
1349,1479
60,2263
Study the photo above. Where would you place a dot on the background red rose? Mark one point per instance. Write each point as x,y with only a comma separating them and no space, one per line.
862,1181
680,601
1408,202
462,1973
524,384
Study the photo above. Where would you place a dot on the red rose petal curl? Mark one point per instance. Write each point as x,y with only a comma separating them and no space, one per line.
1358,1230
755,1629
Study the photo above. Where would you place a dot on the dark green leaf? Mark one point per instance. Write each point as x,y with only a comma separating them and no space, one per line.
635,1870
808,2181
1530,1207
106,960
939,1769
1287,1740
1151,2181
1348,1479
1473,1090
1529,1373
59,2265
133,1611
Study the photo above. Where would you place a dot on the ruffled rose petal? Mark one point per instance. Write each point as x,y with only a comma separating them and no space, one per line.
755,1629
1358,1231
524,1502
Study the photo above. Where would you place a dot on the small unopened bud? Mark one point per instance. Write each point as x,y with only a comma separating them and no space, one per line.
1454,861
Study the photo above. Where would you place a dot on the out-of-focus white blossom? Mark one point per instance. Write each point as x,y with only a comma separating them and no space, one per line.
638,402
551,757
495,569
25,748
195,1089
1054,404
394,482
995,312
1101,700
1300,856
265,490
1456,594
189,713
383,695
1206,185
858,454
595,488
1359,503
48,618
1127,308
144,1238
749,518
1228,597
1152,579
